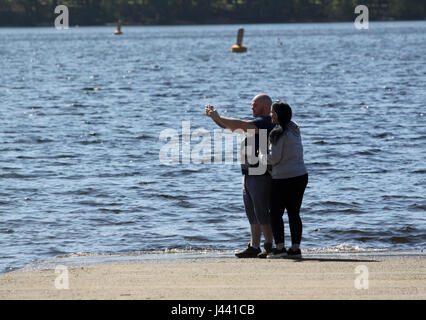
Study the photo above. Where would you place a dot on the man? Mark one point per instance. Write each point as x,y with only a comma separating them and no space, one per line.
256,187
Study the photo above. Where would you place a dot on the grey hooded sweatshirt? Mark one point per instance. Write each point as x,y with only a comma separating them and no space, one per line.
286,155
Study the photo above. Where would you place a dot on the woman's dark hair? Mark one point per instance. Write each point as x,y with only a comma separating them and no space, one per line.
284,114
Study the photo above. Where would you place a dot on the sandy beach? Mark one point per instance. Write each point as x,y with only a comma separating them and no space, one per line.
310,278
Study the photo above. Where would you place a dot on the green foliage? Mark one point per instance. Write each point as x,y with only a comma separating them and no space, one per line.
98,12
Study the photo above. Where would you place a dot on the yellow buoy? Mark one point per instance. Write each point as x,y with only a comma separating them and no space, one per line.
118,31
239,46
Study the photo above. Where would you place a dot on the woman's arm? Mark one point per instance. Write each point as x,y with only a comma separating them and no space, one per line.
275,155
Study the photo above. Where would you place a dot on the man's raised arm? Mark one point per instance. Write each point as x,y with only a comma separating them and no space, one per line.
229,123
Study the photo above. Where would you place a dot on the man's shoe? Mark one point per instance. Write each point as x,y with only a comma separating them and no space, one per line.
250,252
277,253
294,254
267,249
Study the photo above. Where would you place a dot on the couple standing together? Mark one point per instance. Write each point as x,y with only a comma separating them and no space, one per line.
281,187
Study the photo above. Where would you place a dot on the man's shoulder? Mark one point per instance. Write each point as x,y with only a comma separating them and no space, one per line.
264,118
263,122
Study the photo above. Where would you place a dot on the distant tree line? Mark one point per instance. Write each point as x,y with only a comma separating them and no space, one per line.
100,12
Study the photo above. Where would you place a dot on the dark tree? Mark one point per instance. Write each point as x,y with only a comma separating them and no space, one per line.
99,12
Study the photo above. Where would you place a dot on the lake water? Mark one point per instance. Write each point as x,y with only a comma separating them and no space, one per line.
81,112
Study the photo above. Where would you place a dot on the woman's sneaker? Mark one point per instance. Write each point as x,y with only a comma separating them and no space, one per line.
267,250
295,254
277,253
250,252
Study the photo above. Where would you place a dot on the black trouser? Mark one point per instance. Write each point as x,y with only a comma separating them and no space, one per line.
287,194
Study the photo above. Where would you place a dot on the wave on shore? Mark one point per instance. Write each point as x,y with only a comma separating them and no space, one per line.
82,259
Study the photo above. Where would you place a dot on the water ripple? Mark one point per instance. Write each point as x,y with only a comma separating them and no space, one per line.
79,164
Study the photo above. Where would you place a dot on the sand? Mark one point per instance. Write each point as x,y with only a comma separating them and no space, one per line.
310,278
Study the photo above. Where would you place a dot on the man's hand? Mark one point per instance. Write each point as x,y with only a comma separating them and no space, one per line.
208,109
212,112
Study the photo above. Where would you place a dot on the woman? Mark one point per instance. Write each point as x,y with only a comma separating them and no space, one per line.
289,179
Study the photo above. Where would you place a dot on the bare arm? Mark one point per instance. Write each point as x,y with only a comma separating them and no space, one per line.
235,124
219,123
229,123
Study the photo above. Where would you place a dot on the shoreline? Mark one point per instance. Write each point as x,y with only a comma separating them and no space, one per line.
339,276
81,259
177,24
